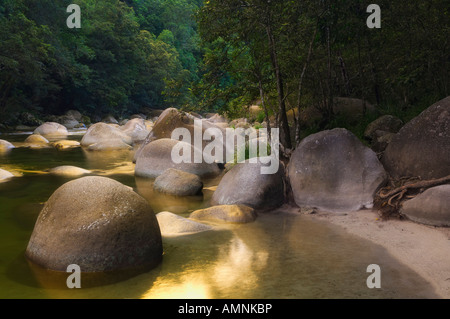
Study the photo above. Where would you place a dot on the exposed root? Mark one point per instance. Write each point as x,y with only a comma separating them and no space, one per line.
389,199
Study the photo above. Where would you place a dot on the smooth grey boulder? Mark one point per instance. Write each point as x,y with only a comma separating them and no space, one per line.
432,207
245,184
332,170
105,137
136,129
5,145
175,225
422,147
175,182
51,129
98,224
156,157
226,213
69,171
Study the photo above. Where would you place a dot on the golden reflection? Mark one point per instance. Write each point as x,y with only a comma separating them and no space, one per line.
191,286
239,265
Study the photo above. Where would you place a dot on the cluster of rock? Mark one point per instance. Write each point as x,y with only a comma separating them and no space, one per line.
103,225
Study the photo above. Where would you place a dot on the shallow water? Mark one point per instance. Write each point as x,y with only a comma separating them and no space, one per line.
280,255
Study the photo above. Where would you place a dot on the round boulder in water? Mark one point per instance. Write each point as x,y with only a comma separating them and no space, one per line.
246,184
51,129
226,213
98,224
175,182
155,157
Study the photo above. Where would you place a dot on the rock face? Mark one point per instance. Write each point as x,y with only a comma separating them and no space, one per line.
172,225
226,213
334,171
422,147
432,207
51,129
175,182
98,224
69,171
156,157
102,136
244,184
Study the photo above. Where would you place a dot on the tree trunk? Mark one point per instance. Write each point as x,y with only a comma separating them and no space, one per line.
300,83
285,135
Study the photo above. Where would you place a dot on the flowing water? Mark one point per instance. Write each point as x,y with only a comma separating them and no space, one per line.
280,255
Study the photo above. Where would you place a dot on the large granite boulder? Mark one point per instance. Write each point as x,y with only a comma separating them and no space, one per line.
432,207
98,224
172,119
245,184
51,129
178,183
226,213
101,136
422,147
156,157
332,170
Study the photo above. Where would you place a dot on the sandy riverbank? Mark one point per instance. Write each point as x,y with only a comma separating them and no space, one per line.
425,249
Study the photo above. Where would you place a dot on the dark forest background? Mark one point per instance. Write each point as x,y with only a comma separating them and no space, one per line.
221,56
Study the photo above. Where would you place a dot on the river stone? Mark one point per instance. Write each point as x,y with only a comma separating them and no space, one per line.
244,184
175,182
172,119
106,136
136,129
422,147
65,144
98,224
36,139
5,145
172,224
432,207
109,146
156,157
385,123
226,213
69,171
51,129
5,175
332,170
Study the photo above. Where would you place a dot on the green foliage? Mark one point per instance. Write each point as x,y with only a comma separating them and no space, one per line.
120,60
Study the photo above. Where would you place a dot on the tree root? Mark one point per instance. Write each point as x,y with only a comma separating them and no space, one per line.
388,200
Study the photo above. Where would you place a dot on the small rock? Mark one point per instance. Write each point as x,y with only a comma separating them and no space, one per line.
226,213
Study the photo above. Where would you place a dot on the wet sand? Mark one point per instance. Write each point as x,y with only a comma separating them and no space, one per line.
424,249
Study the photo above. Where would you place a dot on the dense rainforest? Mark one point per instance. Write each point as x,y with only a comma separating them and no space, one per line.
222,56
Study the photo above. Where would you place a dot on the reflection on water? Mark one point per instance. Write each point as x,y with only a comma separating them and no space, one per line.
280,255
